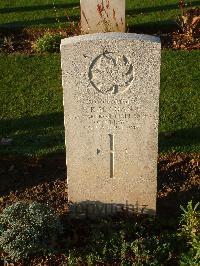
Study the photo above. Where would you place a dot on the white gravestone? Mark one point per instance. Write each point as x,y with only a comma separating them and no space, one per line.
102,16
111,105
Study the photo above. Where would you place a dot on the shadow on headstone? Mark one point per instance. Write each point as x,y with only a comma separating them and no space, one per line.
97,209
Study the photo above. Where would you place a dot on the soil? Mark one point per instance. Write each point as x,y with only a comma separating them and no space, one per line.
31,179
44,180
180,41
22,41
178,182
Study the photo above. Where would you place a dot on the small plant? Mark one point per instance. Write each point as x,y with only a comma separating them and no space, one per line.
189,22
48,43
190,221
188,35
28,229
103,12
71,29
190,231
107,17
7,44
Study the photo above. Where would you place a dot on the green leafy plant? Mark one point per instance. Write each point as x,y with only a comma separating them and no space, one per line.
72,28
48,43
190,221
190,231
192,256
124,243
28,229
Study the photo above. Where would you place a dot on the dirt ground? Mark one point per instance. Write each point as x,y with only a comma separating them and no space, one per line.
44,180
22,41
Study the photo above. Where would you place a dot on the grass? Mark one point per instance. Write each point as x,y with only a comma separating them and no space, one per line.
31,111
159,14
179,105
31,104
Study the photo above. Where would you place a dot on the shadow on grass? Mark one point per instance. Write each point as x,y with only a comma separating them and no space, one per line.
44,132
32,123
38,22
165,26
148,28
159,8
36,8
31,135
186,138
134,11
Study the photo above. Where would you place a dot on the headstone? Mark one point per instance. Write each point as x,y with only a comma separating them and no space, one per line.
111,105
102,16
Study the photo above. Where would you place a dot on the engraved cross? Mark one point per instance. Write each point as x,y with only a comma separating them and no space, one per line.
112,153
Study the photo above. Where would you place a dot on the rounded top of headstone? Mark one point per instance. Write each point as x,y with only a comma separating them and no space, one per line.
111,36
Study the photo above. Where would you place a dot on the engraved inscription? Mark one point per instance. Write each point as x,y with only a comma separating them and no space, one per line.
111,155
110,73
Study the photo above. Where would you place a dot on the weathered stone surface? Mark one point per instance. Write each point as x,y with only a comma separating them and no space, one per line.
111,105
102,16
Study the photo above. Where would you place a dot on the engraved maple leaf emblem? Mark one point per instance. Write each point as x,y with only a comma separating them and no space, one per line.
110,73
